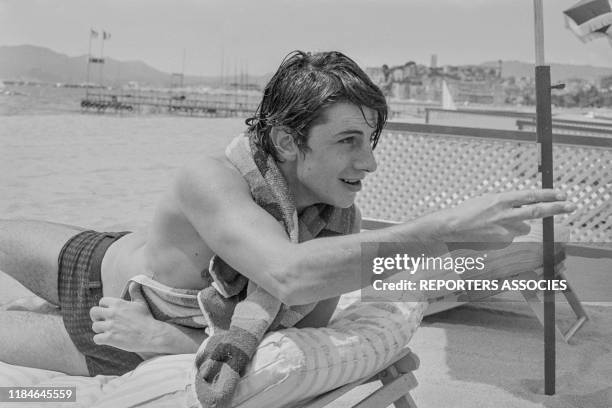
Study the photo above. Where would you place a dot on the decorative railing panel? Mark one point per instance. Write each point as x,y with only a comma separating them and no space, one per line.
424,168
569,129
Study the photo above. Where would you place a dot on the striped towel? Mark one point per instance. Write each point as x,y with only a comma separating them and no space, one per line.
238,312
171,305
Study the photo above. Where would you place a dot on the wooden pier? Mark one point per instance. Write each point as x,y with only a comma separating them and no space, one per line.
222,104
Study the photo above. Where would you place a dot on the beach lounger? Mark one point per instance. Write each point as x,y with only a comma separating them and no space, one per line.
293,367
397,381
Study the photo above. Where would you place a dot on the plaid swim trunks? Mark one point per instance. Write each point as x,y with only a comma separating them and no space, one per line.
80,289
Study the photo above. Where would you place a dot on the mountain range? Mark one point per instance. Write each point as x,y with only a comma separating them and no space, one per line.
39,64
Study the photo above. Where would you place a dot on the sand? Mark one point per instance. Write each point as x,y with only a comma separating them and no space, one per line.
108,172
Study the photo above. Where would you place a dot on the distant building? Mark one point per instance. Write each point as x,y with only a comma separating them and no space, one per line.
606,82
477,92
470,84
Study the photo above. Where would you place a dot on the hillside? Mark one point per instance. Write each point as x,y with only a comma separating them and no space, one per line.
32,63
39,64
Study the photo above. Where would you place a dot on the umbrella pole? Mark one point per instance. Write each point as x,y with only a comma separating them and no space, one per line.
544,137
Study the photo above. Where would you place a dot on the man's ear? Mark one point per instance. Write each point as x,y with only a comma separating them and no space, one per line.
285,145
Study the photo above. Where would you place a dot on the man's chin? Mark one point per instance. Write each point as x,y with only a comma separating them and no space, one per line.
345,203
343,200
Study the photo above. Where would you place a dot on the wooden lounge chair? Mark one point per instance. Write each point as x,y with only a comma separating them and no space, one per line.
397,381
293,367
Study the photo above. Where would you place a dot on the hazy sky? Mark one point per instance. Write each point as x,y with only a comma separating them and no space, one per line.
258,33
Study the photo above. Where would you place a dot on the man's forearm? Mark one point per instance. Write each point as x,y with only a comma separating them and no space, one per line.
173,339
329,267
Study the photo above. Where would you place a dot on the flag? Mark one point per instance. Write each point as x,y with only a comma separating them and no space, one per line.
590,19
93,33
105,35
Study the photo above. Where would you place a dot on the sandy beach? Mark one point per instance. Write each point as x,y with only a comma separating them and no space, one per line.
108,172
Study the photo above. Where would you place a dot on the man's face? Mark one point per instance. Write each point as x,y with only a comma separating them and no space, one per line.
339,156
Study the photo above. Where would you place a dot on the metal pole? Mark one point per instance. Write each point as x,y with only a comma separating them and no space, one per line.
222,69
544,137
88,62
102,56
183,69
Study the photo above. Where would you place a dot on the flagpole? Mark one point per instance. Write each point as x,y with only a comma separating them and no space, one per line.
183,69
102,57
544,138
88,61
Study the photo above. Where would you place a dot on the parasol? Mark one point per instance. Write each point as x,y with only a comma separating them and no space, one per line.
590,19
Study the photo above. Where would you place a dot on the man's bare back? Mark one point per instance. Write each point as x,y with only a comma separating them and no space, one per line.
170,251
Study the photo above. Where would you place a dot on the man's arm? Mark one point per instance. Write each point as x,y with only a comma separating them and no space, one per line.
216,200
129,325
173,339
325,309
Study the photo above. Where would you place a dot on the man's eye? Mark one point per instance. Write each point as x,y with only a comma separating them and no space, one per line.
348,140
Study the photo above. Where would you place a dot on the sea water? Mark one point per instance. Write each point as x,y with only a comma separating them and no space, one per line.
94,170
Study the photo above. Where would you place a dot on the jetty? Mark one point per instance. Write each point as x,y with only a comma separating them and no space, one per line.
224,103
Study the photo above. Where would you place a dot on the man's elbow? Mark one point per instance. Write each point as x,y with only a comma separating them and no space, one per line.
285,288
290,286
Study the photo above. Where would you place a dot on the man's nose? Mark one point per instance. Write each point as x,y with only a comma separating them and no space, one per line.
366,160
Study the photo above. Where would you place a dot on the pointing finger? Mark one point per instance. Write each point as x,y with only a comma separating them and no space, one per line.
541,210
524,197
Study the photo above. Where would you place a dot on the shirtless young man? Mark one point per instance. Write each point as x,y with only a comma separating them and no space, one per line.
320,118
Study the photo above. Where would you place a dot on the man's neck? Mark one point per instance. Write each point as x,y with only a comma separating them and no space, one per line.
303,199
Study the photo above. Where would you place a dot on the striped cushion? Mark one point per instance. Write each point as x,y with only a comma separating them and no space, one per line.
289,365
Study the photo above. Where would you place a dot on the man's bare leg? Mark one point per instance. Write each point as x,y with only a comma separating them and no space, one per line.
29,253
39,340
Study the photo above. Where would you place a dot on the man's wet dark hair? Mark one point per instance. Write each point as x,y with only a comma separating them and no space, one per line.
305,84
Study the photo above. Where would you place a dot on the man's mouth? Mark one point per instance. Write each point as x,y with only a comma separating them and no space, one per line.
352,182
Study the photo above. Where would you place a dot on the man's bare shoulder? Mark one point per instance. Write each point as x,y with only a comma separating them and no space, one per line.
210,179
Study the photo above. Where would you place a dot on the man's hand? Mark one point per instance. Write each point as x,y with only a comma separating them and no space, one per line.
499,217
127,325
